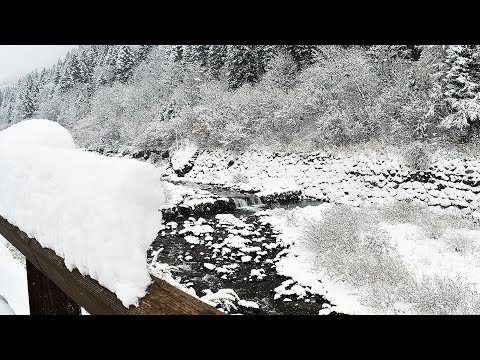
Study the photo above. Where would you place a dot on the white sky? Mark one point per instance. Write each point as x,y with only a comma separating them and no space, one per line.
17,60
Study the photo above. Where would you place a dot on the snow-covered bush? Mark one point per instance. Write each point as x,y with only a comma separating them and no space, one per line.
417,157
353,247
438,295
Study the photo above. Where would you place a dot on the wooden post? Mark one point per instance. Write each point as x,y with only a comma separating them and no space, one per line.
45,297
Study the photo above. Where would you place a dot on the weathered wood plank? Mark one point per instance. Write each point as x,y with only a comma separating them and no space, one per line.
162,298
45,297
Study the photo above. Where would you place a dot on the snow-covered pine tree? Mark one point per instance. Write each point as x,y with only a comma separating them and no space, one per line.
303,55
28,96
8,102
56,74
266,54
10,108
125,63
461,86
142,53
390,52
75,69
216,56
107,66
87,59
176,53
200,54
242,65
66,80
187,53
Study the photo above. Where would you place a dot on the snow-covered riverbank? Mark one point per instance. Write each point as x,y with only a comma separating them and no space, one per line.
351,180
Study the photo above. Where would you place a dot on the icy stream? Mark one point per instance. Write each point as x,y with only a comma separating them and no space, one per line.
233,251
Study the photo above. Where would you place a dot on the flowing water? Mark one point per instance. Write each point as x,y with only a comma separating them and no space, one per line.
190,258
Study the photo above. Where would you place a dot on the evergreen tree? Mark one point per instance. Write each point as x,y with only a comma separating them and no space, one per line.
75,69
142,53
108,65
462,73
56,75
461,86
66,80
87,63
266,54
242,65
391,52
125,63
177,53
303,55
199,54
28,96
216,57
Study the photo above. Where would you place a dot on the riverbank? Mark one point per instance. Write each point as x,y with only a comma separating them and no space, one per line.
268,192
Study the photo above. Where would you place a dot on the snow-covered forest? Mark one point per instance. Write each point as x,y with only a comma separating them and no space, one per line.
298,97
260,179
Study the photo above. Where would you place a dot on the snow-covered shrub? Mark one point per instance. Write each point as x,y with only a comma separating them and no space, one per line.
347,245
353,247
417,157
437,295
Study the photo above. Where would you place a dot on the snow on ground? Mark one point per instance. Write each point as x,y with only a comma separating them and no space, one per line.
183,154
443,256
454,253
98,213
13,283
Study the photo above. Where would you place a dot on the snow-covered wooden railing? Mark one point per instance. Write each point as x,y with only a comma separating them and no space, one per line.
55,290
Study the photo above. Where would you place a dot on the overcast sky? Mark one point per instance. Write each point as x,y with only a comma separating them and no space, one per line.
17,60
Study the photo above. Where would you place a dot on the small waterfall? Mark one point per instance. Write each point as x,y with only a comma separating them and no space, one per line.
240,203
248,202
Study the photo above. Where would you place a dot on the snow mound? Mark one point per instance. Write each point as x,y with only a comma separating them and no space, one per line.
182,156
38,132
100,214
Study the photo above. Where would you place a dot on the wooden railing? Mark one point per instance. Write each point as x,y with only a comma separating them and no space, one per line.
55,290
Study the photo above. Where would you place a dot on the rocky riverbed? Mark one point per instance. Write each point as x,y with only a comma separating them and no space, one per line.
235,258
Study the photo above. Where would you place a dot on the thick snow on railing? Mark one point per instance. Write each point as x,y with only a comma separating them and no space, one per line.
100,214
